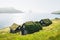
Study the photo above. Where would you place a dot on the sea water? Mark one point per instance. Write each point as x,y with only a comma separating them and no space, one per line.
7,19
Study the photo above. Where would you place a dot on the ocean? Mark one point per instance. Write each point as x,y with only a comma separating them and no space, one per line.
7,19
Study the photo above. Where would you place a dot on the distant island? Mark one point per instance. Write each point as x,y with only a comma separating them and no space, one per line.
56,12
9,10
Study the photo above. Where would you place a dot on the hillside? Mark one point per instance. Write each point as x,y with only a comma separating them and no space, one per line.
51,32
9,10
56,12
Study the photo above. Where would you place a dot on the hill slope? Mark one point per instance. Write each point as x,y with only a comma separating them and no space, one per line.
51,32
9,10
56,12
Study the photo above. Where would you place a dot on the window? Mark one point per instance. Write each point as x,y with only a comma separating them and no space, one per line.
23,26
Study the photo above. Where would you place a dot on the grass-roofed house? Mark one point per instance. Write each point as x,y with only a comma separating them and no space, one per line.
18,28
14,28
30,27
45,22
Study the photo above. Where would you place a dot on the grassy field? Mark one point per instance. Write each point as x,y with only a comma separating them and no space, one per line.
51,32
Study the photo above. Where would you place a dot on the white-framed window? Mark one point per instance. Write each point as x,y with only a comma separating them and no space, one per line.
19,27
41,21
23,26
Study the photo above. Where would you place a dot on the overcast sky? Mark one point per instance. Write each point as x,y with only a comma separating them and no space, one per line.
34,5
40,6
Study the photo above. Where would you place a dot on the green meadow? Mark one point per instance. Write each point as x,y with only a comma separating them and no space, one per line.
51,32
